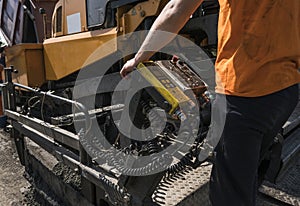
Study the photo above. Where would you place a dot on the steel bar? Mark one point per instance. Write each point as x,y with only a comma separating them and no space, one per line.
56,133
61,153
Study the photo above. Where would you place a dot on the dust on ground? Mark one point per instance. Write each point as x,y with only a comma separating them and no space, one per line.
13,185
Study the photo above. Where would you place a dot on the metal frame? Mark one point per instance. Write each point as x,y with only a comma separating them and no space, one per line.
49,138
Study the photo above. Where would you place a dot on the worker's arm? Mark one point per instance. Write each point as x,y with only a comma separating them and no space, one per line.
172,18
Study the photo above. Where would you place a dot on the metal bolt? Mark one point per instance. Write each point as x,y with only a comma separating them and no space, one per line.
143,13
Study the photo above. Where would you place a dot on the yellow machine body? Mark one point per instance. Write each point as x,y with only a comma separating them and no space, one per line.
67,54
72,42
28,59
69,17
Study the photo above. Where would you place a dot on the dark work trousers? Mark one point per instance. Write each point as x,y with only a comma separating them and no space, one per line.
251,124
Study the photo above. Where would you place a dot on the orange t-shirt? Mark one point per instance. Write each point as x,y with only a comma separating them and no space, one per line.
259,46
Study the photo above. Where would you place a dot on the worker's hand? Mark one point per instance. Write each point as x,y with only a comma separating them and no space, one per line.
128,67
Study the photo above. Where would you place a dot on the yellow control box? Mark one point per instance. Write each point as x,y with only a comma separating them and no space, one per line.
164,84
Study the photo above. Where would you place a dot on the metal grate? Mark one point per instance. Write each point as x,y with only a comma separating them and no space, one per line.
187,188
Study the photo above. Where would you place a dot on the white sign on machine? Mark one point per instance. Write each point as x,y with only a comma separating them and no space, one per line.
74,23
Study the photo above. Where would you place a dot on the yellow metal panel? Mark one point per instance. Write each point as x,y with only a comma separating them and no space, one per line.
135,16
69,8
173,95
67,54
73,7
28,60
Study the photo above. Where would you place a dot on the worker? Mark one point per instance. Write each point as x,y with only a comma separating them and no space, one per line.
257,66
